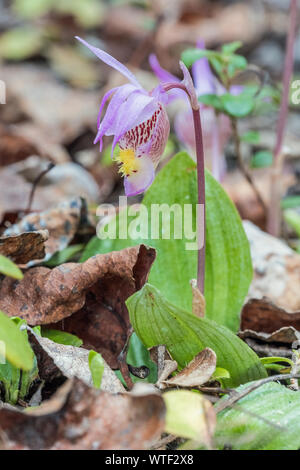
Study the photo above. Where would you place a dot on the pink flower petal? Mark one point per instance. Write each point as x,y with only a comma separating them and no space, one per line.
138,182
166,77
104,99
135,110
121,95
111,61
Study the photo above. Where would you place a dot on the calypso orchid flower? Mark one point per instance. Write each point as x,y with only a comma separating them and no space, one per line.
139,123
216,129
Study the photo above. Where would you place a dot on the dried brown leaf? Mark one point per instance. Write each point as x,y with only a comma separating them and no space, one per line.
197,372
62,223
79,417
24,247
74,362
96,290
103,322
286,334
261,315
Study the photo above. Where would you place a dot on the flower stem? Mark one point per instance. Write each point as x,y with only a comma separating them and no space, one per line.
200,182
274,214
201,195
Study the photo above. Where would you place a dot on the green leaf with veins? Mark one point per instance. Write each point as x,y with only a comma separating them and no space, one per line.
228,262
156,321
266,419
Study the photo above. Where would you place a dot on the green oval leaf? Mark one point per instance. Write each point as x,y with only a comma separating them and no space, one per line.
62,337
266,419
211,100
8,268
262,159
238,106
16,345
96,365
189,56
156,321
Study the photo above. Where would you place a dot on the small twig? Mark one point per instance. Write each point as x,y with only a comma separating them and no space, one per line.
35,184
123,366
225,403
164,441
266,350
242,166
218,390
274,213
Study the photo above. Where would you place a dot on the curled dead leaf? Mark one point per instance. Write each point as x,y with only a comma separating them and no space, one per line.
74,362
94,292
287,335
103,321
263,316
79,417
197,372
169,368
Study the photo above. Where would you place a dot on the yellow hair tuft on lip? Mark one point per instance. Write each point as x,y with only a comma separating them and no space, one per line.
128,162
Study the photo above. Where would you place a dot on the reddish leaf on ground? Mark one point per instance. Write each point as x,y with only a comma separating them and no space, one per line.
79,417
103,322
263,316
96,290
